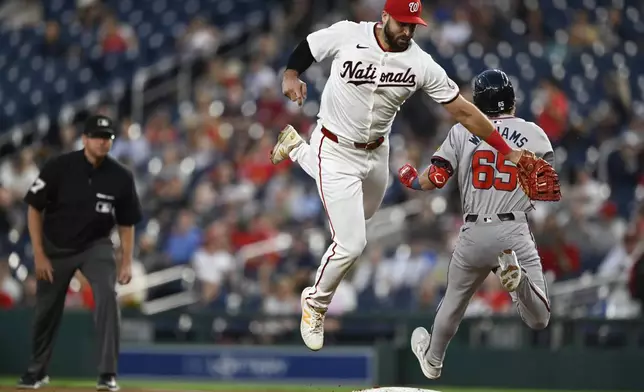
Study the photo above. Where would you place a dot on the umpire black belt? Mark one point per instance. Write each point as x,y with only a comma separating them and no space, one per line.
372,145
508,216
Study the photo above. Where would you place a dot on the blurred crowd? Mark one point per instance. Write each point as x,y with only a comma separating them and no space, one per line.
213,200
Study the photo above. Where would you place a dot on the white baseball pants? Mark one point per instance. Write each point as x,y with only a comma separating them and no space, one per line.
351,183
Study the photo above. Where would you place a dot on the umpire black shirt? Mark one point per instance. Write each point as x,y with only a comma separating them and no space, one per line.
82,203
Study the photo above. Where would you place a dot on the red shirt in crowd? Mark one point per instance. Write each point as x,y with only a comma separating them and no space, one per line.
554,118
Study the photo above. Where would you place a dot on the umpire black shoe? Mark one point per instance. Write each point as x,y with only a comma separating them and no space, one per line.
107,382
30,381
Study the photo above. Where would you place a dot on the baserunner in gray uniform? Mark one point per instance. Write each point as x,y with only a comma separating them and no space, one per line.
495,235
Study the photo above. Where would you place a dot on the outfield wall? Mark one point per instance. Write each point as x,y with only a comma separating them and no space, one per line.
388,363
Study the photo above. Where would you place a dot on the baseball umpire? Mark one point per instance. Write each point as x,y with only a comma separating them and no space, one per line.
73,207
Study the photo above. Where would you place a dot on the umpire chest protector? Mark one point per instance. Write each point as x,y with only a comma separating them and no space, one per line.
82,203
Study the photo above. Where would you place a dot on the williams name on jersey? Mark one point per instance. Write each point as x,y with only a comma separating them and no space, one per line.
510,134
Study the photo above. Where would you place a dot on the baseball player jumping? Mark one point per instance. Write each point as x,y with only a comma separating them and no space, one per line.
495,236
375,68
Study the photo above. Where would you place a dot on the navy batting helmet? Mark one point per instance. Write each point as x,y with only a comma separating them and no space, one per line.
493,93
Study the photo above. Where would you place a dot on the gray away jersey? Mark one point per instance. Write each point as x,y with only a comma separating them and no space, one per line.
487,183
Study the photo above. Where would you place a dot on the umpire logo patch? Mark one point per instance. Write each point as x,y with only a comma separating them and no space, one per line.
104,207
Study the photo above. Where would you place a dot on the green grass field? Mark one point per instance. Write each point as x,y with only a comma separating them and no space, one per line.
6,384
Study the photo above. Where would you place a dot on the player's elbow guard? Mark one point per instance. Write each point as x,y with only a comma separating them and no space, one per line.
437,176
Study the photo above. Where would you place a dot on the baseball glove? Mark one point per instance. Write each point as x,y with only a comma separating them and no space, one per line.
538,178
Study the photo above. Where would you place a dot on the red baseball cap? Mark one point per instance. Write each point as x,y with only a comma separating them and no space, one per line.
405,11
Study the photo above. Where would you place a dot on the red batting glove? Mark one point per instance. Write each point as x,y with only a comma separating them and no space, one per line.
407,174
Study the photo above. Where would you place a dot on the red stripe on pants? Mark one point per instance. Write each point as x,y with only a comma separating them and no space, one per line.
315,286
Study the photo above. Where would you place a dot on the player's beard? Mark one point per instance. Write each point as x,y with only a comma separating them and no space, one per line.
392,40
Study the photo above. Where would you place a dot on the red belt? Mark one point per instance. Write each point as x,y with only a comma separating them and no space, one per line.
372,145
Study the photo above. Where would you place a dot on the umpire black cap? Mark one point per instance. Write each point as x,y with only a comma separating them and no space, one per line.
493,93
99,126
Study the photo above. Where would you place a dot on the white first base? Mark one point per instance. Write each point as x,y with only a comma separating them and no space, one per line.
396,389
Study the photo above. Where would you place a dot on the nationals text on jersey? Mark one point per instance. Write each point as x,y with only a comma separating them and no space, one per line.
359,74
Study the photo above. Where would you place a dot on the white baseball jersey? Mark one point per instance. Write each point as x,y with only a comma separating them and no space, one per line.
489,184
367,84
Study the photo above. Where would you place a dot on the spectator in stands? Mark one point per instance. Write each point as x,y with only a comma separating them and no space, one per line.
589,192
117,37
164,196
530,12
254,167
625,172
345,301
184,239
593,231
489,299
636,283
204,197
19,173
52,45
281,301
171,166
79,294
299,262
200,38
368,9
131,144
282,298
159,130
299,17
259,228
620,98
411,264
260,77
8,218
576,142
428,294
557,254
552,114
89,12
582,32
487,28
19,14
69,139
10,289
303,203
151,258
371,271
620,259
213,262
457,31
230,188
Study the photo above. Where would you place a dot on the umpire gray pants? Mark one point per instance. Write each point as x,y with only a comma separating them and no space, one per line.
474,257
98,265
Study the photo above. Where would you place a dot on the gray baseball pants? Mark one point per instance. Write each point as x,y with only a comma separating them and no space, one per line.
97,263
481,239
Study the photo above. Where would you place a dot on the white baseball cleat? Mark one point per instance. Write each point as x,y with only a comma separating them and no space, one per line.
287,140
510,271
419,345
312,325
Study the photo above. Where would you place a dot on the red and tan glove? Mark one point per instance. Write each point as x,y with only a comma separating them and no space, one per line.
538,178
